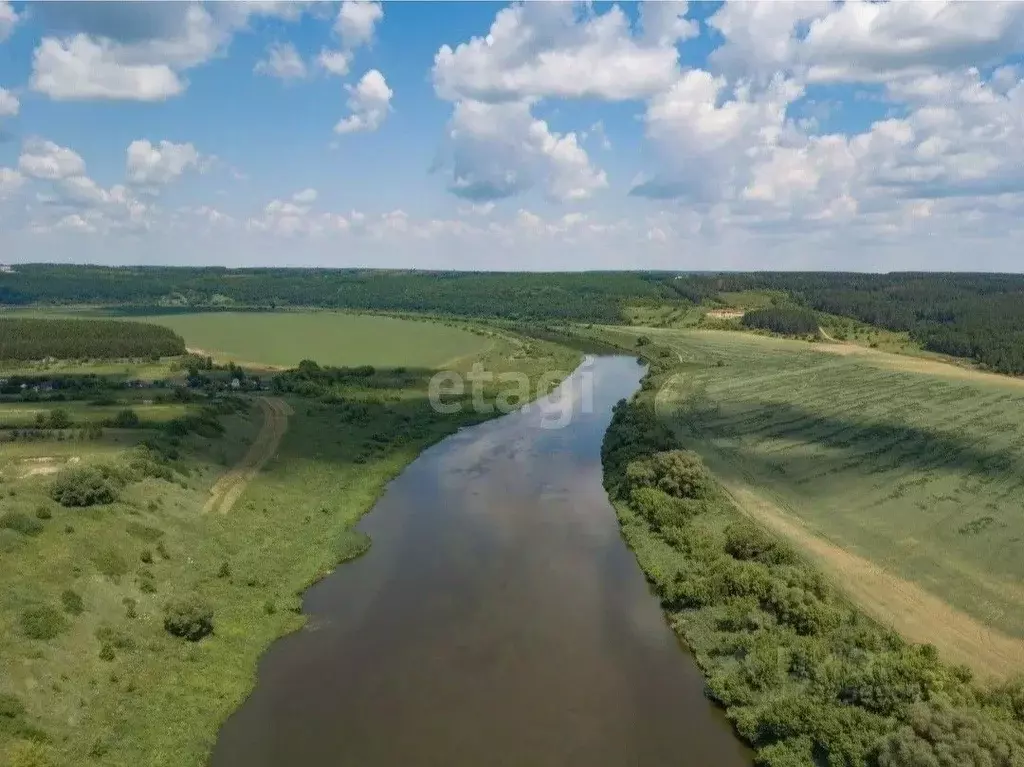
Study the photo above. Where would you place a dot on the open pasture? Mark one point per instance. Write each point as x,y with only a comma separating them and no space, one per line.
916,467
283,339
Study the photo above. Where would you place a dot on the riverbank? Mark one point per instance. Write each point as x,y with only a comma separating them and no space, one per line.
116,689
805,677
497,619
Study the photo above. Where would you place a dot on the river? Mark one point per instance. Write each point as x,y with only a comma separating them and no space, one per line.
498,619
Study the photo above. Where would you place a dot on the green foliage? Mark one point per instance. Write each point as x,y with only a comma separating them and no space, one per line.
72,601
85,486
939,735
59,418
34,339
43,622
125,419
583,296
805,678
43,512
787,320
20,523
190,618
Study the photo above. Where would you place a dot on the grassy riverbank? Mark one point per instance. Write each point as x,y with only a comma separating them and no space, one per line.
98,681
805,677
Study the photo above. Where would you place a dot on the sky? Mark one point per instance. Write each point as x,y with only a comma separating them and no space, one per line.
859,136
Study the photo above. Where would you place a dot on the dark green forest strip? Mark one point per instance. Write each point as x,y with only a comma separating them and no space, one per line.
35,339
787,320
805,677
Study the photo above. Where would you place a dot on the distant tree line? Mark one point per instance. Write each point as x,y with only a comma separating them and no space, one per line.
787,320
584,297
978,316
34,339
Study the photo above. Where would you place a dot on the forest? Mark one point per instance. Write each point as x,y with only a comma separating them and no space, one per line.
35,339
978,316
786,320
582,297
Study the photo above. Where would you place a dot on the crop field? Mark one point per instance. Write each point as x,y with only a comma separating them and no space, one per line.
913,465
285,338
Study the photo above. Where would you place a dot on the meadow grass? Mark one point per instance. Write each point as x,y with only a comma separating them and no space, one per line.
330,338
920,472
24,414
113,688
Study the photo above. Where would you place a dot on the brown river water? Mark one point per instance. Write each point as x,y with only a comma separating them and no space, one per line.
497,619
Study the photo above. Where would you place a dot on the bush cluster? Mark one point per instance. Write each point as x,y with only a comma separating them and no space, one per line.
190,618
86,486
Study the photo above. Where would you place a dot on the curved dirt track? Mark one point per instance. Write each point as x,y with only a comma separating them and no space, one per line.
231,485
915,613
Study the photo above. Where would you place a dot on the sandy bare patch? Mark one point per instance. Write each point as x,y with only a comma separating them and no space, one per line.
916,614
232,484
221,357
44,465
725,314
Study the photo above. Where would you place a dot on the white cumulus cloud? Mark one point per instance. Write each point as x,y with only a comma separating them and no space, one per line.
538,50
499,150
10,182
334,62
8,19
356,22
282,62
9,103
369,101
46,160
158,164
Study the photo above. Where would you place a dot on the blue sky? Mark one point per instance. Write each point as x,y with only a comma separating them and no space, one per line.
495,136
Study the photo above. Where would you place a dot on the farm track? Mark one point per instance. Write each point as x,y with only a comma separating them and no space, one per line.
915,613
227,490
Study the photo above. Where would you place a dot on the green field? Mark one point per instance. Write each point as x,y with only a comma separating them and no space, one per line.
912,464
107,685
331,338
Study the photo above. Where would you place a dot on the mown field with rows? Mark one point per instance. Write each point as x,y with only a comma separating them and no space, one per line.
919,472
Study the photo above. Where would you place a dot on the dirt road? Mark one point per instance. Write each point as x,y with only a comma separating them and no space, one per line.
230,486
916,614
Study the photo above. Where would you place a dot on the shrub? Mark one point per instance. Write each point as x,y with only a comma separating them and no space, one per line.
125,419
189,618
84,486
745,540
21,523
941,736
59,419
10,707
679,473
43,622
72,602
43,512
